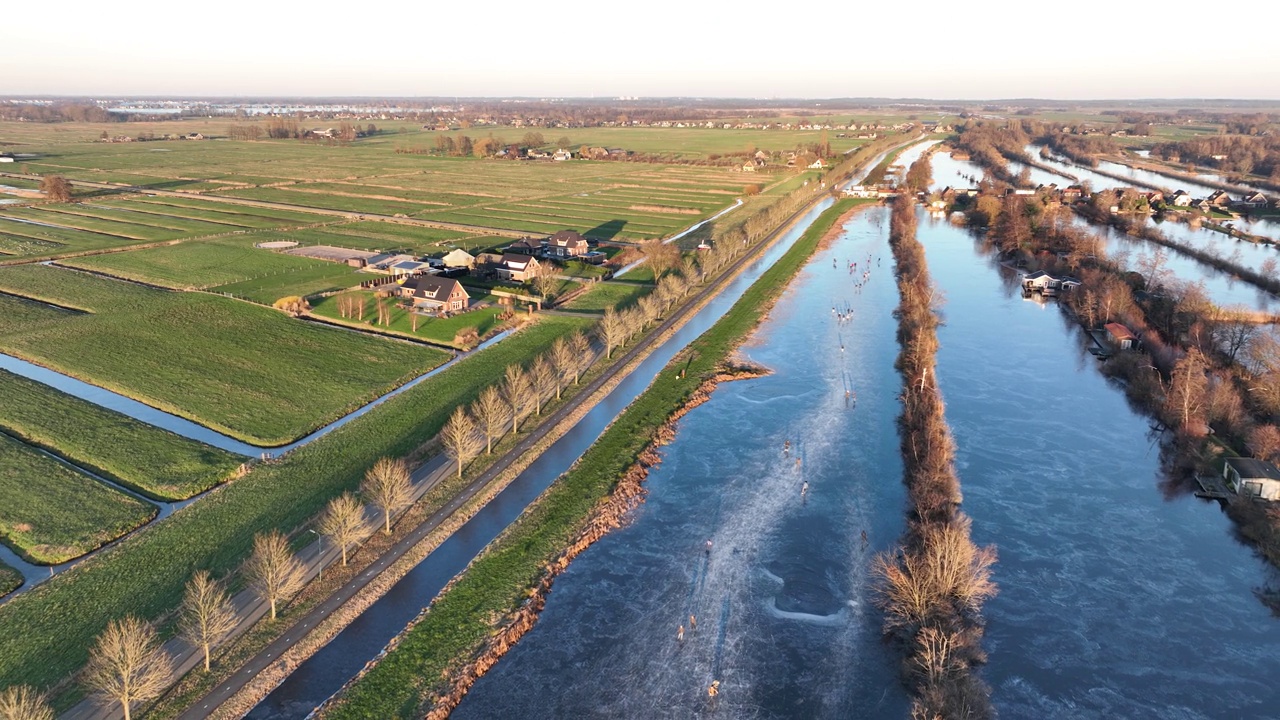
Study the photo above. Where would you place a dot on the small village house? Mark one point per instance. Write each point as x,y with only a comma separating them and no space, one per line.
518,268
1219,199
1120,336
561,155
1044,283
1180,198
566,244
440,295
1250,477
525,246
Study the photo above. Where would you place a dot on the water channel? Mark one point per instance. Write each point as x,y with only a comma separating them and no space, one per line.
325,672
784,618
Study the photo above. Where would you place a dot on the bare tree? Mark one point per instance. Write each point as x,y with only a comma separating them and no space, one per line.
460,438
582,354
343,522
56,188
650,307
1188,388
387,487
660,256
491,414
273,571
127,664
543,377
517,392
562,361
613,331
207,616
22,703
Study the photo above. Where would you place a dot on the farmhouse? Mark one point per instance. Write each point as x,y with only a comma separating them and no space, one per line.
561,155
816,164
459,258
1120,336
566,243
1252,478
1072,193
1253,200
1180,198
1219,198
439,294
518,268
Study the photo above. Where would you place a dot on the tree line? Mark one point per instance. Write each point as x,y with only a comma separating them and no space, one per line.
933,587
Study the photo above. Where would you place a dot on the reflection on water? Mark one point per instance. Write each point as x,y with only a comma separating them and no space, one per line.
782,604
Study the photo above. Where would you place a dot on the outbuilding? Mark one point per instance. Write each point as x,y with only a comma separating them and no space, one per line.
1121,336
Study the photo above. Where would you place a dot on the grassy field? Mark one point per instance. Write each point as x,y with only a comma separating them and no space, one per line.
10,579
202,264
50,513
437,330
608,295
152,461
462,619
45,634
244,370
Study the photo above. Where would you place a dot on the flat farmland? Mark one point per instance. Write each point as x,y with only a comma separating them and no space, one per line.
244,370
51,513
45,635
204,263
10,579
152,461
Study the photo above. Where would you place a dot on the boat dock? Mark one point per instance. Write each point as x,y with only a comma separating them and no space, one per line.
1213,487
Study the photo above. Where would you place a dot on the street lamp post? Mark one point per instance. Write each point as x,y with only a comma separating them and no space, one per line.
319,553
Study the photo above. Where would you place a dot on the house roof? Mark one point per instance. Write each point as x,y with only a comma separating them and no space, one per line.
568,239
1120,332
1254,469
434,287
517,261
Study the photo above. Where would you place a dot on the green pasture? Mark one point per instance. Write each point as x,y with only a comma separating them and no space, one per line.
51,513
45,634
605,295
10,579
248,371
152,461
203,263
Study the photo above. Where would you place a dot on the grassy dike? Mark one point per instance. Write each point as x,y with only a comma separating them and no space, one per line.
466,615
45,634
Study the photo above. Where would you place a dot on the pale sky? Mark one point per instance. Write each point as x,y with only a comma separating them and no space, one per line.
925,48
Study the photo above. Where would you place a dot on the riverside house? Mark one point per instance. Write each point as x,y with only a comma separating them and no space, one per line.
1121,337
1252,478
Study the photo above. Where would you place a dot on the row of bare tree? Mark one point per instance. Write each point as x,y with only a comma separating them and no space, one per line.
521,391
932,588
128,664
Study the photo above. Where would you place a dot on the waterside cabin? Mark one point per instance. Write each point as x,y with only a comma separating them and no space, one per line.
1250,477
1046,284
1121,337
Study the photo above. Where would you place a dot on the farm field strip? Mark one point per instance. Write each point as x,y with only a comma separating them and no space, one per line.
280,215
301,282
545,227
18,245
329,202
246,371
70,221
438,330
633,219
170,224
227,222
70,240
51,513
149,460
606,295
198,264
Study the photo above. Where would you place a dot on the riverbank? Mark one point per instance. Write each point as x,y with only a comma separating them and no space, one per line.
453,633
933,588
